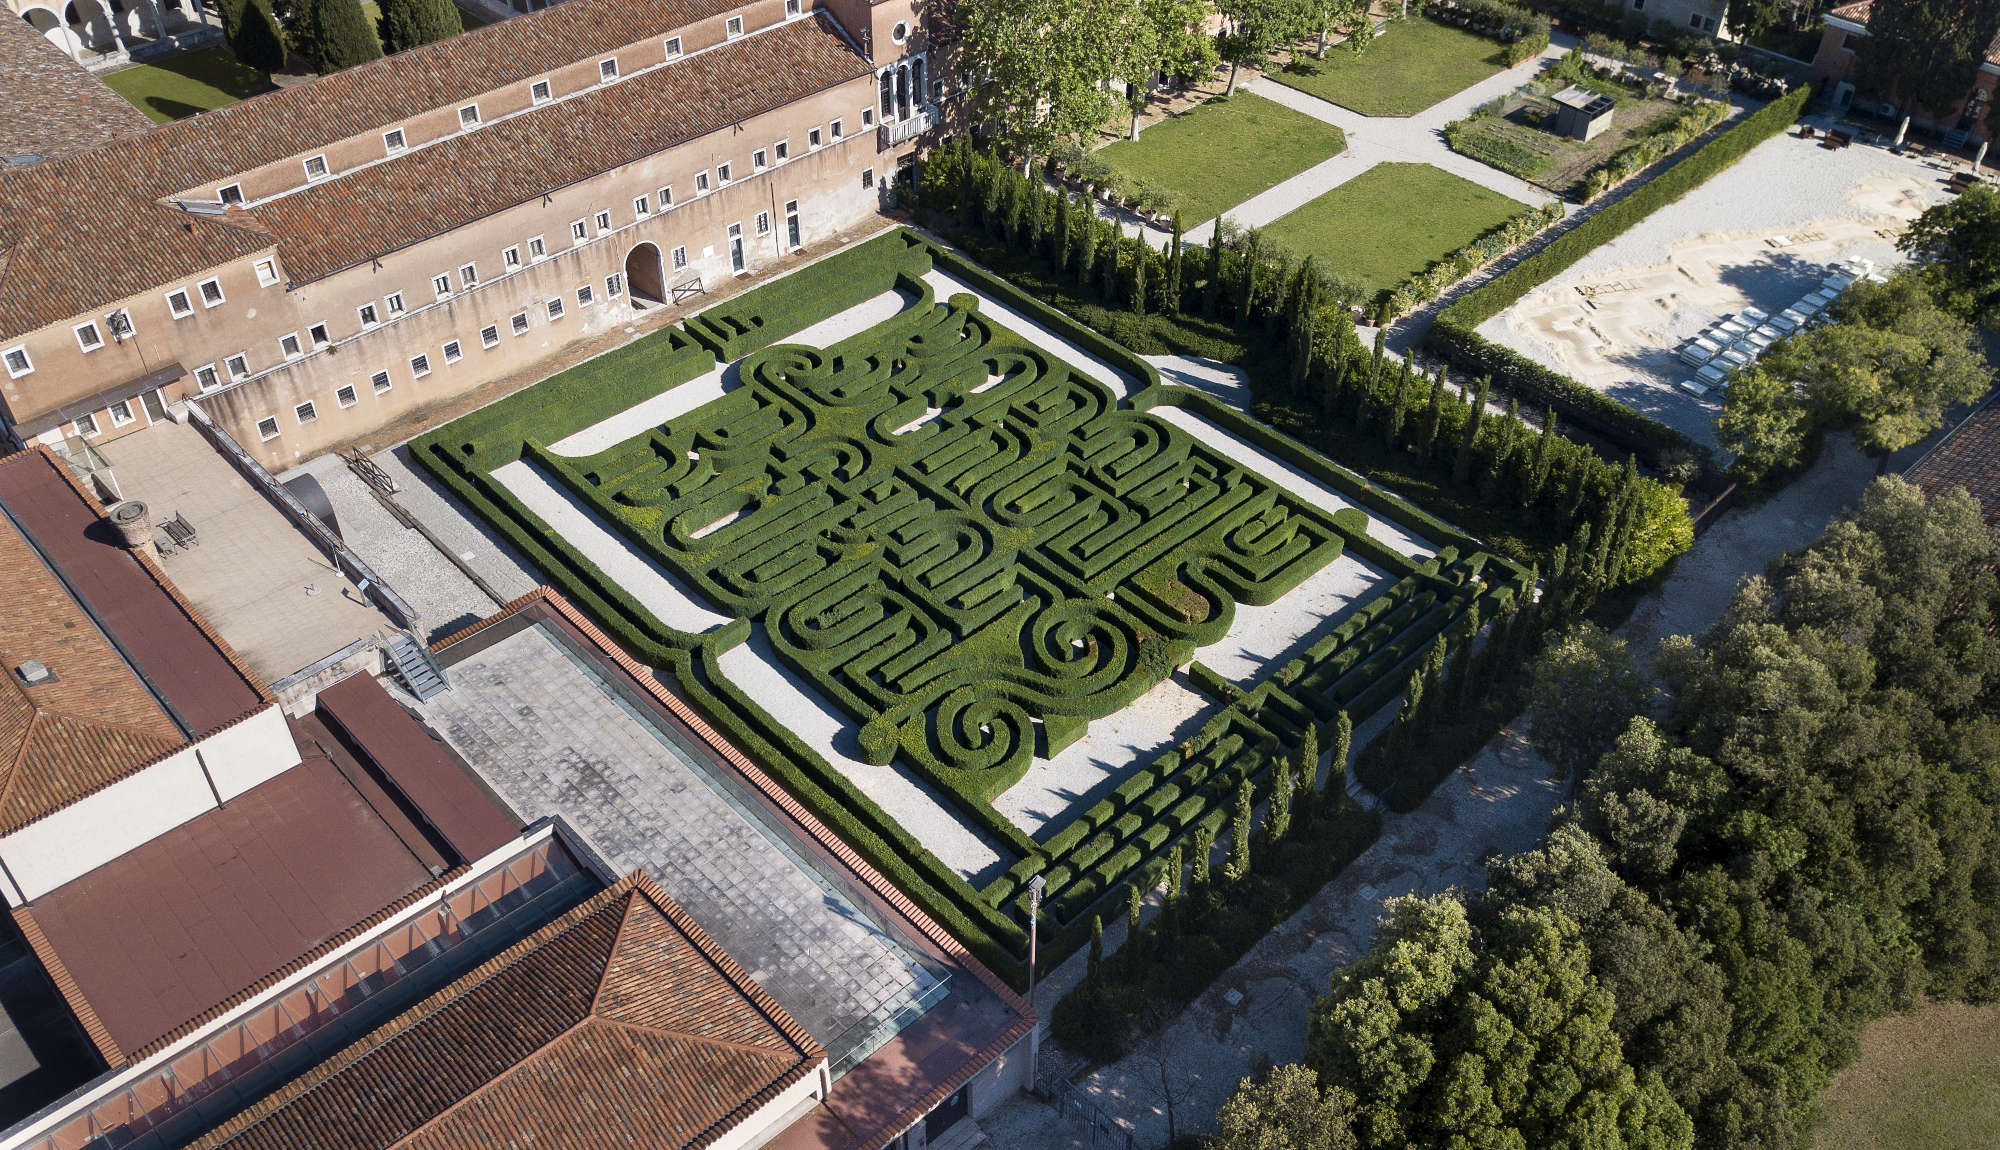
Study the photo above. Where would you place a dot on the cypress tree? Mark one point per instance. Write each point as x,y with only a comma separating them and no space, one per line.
1405,736
1085,242
1171,290
1498,466
1279,822
1094,965
1343,745
1460,683
1368,387
1135,899
1538,468
1580,482
1176,862
1211,291
1306,772
1107,264
1461,470
1301,323
1059,235
1037,206
1142,254
258,42
1399,404
1246,285
968,189
1239,835
407,24
1336,370
1433,416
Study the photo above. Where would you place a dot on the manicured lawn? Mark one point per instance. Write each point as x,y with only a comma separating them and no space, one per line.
180,86
1925,1080
1392,221
1217,155
1408,68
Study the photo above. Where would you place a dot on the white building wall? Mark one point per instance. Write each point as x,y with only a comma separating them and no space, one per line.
256,750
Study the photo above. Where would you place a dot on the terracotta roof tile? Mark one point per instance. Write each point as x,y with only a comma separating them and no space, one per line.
1969,457
71,109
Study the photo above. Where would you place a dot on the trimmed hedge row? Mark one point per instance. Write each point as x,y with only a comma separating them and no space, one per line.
1454,338
767,314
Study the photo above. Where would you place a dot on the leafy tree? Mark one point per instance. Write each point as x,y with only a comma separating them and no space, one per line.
1926,53
257,41
1582,690
1958,244
1287,1110
1253,29
1052,68
1764,423
407,24
334,34
1178,39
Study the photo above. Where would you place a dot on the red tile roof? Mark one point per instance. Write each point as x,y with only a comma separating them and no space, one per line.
60,108
1969,457
622,1023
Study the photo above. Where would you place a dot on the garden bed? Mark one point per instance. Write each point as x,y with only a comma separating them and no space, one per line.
1518,137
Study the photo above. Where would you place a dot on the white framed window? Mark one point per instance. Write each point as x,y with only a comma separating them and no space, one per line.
178,304
420,365
289,346
555,308
793,8
867,178
86,426
267,272
393,141
680,257
673,47
834,129
394,302
867,117
614,285
206,377
812,138
758,160
468,116
722,173
318,335
316,169
519,324
666,197
578,229
18,363
344,395
368,314
230,193
700,182
603,222
782,149
119,323
586,295
468,276
539,92
453,352
642,206
607,69
489,335
305,412
267,428
88,337
238,365
511,258
732,28
379,381
211,292
763,223
536,248
121,413
441,284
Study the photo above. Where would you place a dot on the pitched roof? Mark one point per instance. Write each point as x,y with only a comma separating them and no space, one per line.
71,109
620,1024
91,228
1968,457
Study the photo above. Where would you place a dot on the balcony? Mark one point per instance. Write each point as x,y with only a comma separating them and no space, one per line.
894,132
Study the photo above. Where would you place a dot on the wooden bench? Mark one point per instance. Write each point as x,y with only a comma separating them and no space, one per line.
1837,138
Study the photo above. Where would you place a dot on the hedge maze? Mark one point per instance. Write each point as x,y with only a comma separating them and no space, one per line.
973,552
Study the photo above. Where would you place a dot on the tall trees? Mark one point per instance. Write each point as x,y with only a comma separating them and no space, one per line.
1582,690
1049,66
334,34
1927,52
1288,1110
407,24
1253,28
1763,423
1958,243
255,37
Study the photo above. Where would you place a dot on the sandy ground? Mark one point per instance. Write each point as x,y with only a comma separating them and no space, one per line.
1763,233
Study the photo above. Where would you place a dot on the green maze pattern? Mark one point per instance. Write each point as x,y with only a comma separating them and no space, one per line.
970,548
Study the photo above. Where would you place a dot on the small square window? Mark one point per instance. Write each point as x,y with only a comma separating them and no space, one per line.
379,381
792,7
88,337
394,302
468,116
369,317
211,292
867,178
393,141
539,92
642,206
834,129
607,69
585,296
317,333
206,378
288,344
453,352
536,248
511,258
119,323
783,150
442,285
603,222
267,428
673,46
867,117
666,198
316,168
578,229
680,258
121,413
344,395
722,173
18,363
230,193
420,365
489,335
763,223
614,285
733,27
267,272
812,138
757,160
519,323
86,426
305,412
179,305
468,276
556,308
238,365
700,182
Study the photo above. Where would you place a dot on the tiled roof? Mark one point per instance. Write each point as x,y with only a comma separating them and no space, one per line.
619,1024
60,108
95,723
363,214
88,229
1969,457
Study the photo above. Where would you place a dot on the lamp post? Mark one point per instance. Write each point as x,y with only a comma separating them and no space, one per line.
1035,887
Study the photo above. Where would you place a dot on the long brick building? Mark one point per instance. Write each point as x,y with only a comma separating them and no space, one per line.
318,261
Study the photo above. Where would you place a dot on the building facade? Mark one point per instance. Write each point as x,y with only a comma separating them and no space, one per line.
317,262
1835,66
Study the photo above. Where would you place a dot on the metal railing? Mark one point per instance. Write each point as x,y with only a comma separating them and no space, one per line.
894,132
1100,1129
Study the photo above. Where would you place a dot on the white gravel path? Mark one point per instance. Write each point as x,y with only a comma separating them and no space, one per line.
1121,385
1260,639
1223,381
1054,791
506,571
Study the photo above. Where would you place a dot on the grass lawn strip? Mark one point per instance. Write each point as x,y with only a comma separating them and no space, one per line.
1216,155
1406,69
1924,1080
179,86
1392,221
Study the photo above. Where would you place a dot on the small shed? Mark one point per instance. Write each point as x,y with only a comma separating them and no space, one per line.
1582,113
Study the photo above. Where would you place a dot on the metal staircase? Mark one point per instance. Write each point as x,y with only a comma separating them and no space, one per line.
412,662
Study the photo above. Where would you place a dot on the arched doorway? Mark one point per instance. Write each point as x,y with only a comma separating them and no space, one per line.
645,276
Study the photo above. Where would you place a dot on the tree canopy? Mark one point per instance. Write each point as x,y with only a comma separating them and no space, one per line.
408,24
1927,52
1958,246
1051,70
